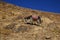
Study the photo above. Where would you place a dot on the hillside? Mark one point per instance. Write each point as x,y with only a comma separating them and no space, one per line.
12,26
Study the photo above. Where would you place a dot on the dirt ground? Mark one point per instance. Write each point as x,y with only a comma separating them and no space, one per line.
12,26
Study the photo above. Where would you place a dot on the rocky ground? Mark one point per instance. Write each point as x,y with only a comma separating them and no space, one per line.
12,26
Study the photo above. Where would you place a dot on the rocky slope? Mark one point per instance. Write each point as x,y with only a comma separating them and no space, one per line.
12,26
